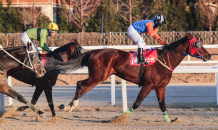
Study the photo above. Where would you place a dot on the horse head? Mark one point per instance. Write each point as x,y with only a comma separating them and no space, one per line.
68,51
189,45
196,48
37,67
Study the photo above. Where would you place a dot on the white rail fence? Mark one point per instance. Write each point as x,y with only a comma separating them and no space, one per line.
179,69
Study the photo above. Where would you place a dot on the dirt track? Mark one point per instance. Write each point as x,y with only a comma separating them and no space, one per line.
96,118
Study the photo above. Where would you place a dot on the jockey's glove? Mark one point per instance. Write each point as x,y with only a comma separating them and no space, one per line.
165,45
50,53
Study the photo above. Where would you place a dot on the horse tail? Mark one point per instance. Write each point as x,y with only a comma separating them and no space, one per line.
73,64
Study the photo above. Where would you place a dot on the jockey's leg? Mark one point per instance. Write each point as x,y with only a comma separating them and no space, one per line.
137,38
141,46
25,39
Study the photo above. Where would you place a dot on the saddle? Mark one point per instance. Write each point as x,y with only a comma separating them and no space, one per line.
43,60
150,57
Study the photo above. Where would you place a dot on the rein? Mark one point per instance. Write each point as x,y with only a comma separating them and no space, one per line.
199,57
1,48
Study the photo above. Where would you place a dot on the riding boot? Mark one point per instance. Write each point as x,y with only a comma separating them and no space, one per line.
140,57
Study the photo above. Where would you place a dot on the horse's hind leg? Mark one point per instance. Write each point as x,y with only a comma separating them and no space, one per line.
35,98
82,88
7,90
161,100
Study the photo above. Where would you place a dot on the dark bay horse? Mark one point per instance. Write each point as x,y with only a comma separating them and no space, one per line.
104,62
12,57
45,83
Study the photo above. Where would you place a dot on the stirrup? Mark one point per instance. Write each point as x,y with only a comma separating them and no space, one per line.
146,63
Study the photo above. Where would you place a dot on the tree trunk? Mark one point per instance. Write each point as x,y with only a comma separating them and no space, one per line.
130,12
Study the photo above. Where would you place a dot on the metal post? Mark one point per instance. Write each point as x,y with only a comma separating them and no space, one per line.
124,95
102,23
2,103
10,102
216,75
113,89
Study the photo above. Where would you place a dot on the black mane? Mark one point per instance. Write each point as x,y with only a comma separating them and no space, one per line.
171,46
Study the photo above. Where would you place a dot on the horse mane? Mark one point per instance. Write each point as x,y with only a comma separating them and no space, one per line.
62,48
171,46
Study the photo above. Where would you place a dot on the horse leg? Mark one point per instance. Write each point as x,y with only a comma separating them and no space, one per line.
7,90
35,98
142,94
82,88
145,90
48,94
161,100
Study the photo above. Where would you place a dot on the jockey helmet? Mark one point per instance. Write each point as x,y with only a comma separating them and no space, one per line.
159,20
53,27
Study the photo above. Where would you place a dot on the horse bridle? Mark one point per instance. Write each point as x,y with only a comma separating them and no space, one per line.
193,49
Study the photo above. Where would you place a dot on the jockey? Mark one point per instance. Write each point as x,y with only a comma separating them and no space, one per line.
145,26
40,34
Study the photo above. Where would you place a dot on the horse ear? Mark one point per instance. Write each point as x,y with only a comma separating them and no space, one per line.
188,35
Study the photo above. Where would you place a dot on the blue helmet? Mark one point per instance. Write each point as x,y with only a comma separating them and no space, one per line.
159,20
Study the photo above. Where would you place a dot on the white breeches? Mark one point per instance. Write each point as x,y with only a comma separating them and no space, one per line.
25,38
136,37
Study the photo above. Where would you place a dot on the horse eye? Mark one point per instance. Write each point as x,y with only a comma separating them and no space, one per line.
197,44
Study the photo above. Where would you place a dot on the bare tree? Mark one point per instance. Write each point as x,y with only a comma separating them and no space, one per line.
83,11
208,12
31,11
125,9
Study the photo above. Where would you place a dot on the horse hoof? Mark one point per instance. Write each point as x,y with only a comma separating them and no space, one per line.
71,109
61,106
40,112
67,108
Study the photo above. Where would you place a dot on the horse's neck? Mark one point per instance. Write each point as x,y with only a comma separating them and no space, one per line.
67,53
11,60
175,57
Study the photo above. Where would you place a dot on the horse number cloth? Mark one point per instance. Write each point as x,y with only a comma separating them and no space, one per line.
150,57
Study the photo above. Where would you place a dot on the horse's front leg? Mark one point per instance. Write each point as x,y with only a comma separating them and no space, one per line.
145,90
48,94
38,91
7,90
161,100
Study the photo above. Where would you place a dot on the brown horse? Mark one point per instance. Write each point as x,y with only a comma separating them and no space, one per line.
12,57
63,53
104,62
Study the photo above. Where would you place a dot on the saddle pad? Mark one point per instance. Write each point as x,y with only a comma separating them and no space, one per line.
150,57
43,60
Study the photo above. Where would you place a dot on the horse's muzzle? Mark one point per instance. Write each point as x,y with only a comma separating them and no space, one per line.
40,72
206,57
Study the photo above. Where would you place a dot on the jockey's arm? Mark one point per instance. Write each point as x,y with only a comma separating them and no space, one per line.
159,39
42,43
152,32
